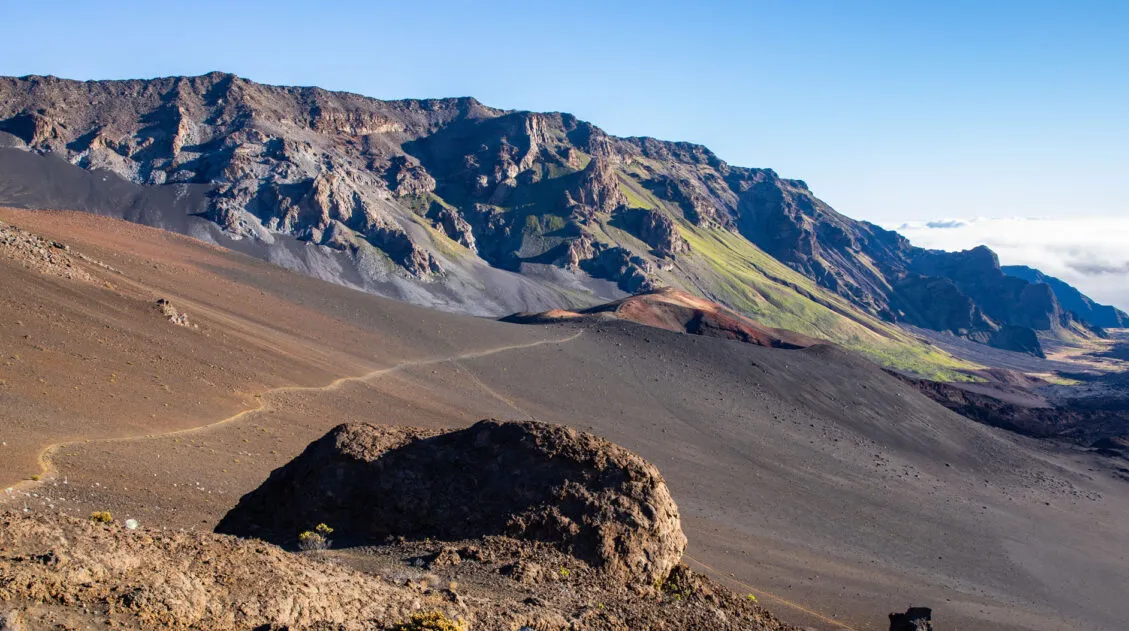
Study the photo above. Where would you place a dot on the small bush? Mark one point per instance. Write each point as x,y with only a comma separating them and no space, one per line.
310,540
316,539
101,517
430,621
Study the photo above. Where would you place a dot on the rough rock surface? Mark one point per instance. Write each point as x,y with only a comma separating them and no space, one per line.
172,314
11,621
1090,423
35,252
65,573
183,580
533,481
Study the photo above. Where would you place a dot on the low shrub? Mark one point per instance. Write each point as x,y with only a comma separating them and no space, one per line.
101,517
310,540
430,621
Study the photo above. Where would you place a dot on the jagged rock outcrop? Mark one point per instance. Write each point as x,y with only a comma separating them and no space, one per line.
936,303
406,176
597,189
879,270
1020,339
591,499
1098,315
629,270
658,231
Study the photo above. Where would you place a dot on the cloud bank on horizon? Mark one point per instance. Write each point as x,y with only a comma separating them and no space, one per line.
1091,253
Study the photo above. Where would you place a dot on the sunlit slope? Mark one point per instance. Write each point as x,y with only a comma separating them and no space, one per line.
725,267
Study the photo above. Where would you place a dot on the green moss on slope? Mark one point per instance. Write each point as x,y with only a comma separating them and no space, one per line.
730,269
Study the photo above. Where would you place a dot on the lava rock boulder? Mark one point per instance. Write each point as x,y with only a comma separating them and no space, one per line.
530,481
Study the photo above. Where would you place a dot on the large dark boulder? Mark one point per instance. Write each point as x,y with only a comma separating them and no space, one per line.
584,495
914,619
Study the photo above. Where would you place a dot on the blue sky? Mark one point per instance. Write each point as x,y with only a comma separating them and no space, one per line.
892,111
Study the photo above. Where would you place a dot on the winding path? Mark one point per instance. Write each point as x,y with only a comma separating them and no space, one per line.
49,471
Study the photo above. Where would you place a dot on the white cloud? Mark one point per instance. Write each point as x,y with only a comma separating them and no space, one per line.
1091,253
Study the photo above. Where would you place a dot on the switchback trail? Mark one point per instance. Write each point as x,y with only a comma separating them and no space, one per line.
49,471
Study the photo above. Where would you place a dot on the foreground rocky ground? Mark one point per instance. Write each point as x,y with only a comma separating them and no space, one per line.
66,573
595,545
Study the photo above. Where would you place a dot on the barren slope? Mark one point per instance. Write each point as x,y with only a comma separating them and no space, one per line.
809,476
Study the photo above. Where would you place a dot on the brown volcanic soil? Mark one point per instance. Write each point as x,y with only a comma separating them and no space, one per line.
809,477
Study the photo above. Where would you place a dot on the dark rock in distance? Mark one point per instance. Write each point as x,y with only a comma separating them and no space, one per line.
914,619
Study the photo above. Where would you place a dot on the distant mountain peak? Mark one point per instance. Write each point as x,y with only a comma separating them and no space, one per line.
1089,311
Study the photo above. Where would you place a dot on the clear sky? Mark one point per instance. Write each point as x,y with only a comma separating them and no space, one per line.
892,111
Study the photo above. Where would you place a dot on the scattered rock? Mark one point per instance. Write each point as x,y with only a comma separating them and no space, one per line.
172,315
186,580
39,254
530,481
446,557
526,572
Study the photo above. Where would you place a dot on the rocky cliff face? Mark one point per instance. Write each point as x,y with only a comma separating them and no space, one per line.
1083,308
429,193
966,293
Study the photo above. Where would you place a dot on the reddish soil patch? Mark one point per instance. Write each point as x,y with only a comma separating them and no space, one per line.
676,310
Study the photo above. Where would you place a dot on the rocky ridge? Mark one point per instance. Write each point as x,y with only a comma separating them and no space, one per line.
419,188
1085,309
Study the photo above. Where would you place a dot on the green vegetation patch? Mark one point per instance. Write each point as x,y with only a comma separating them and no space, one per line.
737,273
637,195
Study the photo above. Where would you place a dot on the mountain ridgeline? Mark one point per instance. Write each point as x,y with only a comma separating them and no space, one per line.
1071,299
451,203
